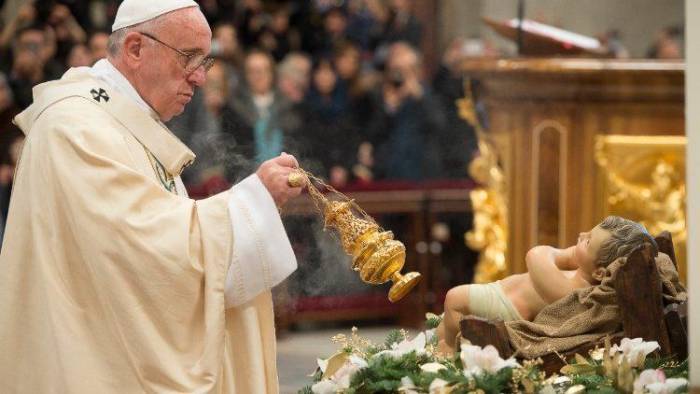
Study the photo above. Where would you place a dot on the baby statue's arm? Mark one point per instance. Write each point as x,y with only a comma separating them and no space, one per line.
546,274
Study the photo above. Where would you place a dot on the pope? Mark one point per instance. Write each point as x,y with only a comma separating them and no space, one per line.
111,279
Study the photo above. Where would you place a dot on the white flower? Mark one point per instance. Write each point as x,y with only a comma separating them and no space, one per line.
476,360
667,387
407,386
654,381
548,389
429,335
341,378
432,367
325,387
398,350
577,389
635,350
438,386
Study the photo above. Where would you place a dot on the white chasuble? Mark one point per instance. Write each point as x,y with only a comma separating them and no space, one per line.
111,279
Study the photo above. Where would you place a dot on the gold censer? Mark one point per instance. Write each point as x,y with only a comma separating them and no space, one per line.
376,255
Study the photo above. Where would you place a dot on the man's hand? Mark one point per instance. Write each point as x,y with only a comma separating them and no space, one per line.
274,173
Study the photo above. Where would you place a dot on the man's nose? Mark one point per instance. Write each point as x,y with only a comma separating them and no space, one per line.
198,76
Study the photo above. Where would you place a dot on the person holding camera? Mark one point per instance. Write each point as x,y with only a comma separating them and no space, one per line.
406,119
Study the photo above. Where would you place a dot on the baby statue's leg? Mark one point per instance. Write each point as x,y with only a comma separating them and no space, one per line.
456,306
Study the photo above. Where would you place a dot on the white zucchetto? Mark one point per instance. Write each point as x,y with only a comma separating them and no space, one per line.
133,12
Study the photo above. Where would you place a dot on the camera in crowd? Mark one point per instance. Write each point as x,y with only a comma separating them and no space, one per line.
396,78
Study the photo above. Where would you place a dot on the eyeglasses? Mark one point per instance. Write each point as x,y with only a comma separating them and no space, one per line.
194,60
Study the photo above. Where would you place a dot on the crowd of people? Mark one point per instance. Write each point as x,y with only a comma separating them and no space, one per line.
340,84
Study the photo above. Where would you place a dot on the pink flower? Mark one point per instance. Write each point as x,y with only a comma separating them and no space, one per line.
654,381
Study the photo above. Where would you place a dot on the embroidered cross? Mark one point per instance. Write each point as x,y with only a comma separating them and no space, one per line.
99,94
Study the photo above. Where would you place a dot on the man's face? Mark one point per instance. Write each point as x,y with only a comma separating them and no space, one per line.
588,246
29,52
258,73
164,82
403,62
227,38
98,46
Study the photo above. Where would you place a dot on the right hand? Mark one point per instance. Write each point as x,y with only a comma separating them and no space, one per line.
274,173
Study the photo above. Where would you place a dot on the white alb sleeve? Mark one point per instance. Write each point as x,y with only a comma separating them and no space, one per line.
262,254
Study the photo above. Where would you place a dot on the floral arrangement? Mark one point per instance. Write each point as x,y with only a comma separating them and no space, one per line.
412,365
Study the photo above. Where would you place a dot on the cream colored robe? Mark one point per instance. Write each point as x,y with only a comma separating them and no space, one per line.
108,282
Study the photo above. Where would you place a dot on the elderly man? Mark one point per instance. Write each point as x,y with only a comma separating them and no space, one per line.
111,279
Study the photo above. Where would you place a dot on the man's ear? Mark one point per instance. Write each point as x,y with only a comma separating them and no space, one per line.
600,273
133,43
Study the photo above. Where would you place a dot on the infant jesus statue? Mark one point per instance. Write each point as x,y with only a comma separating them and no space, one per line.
552,274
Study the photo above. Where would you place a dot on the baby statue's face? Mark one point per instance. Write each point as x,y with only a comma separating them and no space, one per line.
588,246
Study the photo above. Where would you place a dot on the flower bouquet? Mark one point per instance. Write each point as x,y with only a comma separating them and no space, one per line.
412,365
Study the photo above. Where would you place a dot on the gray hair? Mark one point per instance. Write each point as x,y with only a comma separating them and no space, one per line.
289,67
116,39
625,237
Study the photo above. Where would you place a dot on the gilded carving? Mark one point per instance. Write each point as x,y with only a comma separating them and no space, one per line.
645,181
489,234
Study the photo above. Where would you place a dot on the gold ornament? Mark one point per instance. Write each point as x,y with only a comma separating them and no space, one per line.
296,179
645,182
376,255
489,234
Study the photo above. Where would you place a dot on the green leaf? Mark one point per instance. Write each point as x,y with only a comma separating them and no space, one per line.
394,336
433,322
305,390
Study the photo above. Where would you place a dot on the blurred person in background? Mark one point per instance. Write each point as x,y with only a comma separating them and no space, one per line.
261,120
98,45
30,53
355,80
669,44
10,143
66,28
25,16
207,142
277,37
457,143
251,22
360,24
335,23
216,93
397,23
329,135
612,42
293,75
227,48
8,109
218,11
406,120
79,56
